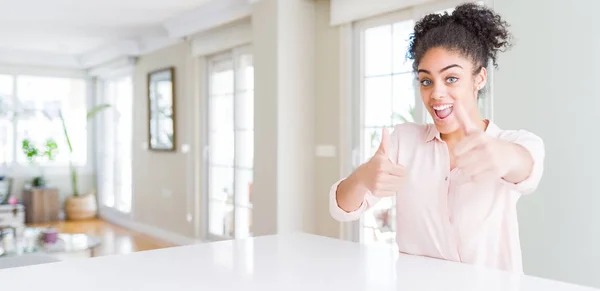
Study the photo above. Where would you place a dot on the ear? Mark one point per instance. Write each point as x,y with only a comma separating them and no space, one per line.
480,79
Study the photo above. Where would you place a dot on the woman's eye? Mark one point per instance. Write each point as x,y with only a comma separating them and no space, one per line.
425,82
452,80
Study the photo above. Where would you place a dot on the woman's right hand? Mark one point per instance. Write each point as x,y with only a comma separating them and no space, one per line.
380,175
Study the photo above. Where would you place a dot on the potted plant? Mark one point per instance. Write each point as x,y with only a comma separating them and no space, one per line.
32,153
78,205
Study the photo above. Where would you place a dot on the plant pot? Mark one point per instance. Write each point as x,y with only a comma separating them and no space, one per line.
38,182
81,207
49,235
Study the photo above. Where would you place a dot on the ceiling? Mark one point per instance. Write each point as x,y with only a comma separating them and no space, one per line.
78,32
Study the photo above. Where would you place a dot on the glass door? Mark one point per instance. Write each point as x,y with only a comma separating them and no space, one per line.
231,144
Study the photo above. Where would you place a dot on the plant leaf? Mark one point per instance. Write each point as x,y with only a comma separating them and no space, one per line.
97,109
62,120
91,113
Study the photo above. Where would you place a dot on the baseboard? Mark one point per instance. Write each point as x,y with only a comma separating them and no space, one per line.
153,231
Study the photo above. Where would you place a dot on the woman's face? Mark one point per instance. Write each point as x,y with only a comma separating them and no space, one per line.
446,79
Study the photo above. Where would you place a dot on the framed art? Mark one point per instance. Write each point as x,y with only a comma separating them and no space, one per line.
161,110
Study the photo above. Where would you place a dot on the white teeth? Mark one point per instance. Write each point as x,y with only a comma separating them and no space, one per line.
442,107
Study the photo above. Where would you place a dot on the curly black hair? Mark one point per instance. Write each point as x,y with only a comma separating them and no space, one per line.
472,30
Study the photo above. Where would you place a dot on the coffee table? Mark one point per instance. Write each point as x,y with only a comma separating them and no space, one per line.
66,246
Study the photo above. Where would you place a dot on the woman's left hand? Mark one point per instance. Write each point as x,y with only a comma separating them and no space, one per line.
480,156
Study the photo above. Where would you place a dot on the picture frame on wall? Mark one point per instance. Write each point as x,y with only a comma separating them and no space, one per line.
161,110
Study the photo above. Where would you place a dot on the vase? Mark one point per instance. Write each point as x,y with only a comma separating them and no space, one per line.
50,235
81,207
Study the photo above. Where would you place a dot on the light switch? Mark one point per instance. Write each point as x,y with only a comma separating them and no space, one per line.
185,148
144,145
166,193
325,151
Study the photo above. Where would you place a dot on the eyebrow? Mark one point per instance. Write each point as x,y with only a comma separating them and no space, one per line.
444,69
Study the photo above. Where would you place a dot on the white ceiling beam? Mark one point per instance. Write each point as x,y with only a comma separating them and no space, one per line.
62,30
106,70
151,44
208,16
106,54
38,59
126,48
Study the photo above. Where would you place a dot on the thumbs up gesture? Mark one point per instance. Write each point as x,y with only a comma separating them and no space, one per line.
478,155
380,175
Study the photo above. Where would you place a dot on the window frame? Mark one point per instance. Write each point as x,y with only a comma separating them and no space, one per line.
355,84
232,55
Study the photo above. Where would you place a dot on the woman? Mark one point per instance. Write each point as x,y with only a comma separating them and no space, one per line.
457,181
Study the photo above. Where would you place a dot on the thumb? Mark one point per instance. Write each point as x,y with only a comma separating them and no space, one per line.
463,119
384,147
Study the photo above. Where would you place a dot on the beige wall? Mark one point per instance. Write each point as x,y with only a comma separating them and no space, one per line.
162,183
327,170
264,188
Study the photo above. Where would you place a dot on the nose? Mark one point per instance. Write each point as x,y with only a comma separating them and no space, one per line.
439,92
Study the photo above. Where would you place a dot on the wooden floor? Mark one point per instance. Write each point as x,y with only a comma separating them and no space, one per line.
115,239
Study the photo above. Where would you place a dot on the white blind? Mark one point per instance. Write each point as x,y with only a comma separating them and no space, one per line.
115,144
221,39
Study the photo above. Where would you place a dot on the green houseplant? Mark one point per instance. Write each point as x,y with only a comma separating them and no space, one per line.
78,205
33,153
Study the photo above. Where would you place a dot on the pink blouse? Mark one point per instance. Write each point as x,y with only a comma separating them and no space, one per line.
442,214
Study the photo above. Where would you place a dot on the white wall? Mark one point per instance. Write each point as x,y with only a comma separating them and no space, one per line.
548,83
284,61
296,114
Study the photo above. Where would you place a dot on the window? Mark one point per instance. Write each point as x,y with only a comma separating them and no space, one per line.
115,144
388,98
387,94
29,109
230,144
6,119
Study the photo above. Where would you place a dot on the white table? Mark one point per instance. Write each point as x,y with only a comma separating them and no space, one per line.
25,260
285,262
